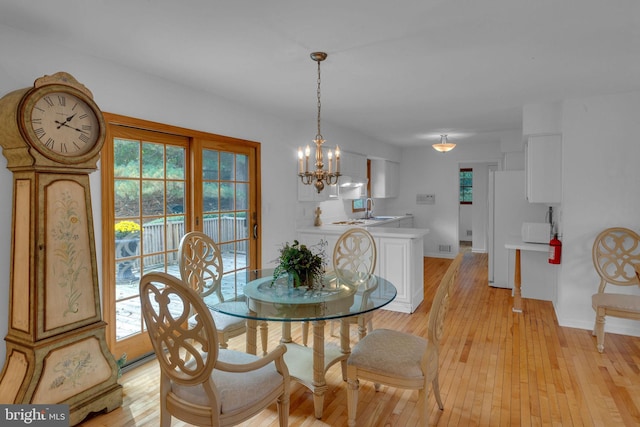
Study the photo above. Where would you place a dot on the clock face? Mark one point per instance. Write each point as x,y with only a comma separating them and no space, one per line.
64,124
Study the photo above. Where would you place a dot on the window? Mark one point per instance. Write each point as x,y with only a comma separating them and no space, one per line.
358,205
466,186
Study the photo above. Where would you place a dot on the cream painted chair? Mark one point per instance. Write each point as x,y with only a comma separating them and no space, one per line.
402,360
354,261
200,383
201,266
616,258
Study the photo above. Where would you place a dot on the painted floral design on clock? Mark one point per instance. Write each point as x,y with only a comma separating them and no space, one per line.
69,265
71,370
70,291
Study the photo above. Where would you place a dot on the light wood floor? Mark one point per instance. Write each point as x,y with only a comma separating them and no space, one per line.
497,368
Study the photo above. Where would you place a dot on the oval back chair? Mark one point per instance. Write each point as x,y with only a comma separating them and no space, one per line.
202,267
354,261
616,258
200,383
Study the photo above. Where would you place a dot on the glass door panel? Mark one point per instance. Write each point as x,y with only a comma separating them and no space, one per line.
227,210
149,199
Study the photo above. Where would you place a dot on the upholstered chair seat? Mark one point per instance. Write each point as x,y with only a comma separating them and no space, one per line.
236,391
373,354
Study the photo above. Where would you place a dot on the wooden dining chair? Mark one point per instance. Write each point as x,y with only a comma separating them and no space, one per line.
399,359
200,383
354,261
201,267
616,258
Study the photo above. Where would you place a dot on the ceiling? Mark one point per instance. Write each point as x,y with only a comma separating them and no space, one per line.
402,72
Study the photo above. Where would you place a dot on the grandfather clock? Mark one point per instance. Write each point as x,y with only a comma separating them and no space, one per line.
51,135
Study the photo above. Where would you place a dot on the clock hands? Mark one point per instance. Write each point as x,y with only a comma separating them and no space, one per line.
60,124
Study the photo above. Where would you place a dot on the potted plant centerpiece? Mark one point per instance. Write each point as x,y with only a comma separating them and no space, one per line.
303,267
127,235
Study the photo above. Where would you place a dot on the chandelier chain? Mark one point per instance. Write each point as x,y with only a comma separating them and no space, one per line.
319,135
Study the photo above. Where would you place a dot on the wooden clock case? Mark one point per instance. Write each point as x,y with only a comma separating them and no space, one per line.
56,346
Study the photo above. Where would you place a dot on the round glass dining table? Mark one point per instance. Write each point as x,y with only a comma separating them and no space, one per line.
273,299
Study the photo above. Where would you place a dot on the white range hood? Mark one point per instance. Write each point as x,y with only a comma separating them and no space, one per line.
352,187
347,181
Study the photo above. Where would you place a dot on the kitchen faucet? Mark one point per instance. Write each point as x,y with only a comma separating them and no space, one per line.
368,213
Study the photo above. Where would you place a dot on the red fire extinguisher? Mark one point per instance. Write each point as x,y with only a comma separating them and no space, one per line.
555,250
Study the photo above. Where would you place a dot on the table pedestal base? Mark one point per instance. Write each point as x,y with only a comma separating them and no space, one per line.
299,358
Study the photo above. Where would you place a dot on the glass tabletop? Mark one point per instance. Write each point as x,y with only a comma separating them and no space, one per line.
267,298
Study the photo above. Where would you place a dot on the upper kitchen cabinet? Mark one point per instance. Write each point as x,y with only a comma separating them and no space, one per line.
384,178
353,182
353,167
544,168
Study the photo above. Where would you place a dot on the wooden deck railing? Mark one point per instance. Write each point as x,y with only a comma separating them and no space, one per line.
222,230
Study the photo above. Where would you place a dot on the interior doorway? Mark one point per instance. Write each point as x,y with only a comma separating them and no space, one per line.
473,208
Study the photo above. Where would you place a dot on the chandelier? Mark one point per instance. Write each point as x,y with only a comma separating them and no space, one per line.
319,177
444,145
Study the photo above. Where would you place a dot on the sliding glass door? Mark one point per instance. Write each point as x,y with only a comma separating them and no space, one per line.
157,187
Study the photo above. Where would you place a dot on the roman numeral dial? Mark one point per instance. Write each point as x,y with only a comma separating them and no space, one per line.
63,123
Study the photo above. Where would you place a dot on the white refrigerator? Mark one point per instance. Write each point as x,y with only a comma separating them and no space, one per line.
508,209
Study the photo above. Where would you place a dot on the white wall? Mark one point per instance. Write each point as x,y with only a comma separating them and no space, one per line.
426,171
123,91
465,222
601,189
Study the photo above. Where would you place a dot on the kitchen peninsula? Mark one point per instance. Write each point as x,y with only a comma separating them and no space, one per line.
399,255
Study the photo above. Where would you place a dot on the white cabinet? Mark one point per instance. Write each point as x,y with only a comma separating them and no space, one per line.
353,182
384,178
353,166
400,261
544,168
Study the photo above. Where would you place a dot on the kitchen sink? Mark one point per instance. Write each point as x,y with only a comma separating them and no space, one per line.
365,221
349,222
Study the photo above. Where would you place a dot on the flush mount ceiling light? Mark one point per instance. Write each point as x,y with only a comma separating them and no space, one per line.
319,177
444,145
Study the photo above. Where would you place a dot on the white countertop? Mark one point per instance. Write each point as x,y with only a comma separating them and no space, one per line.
519,244
376,231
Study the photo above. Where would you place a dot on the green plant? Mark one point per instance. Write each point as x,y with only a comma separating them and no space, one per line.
302,263
121,362
126,229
